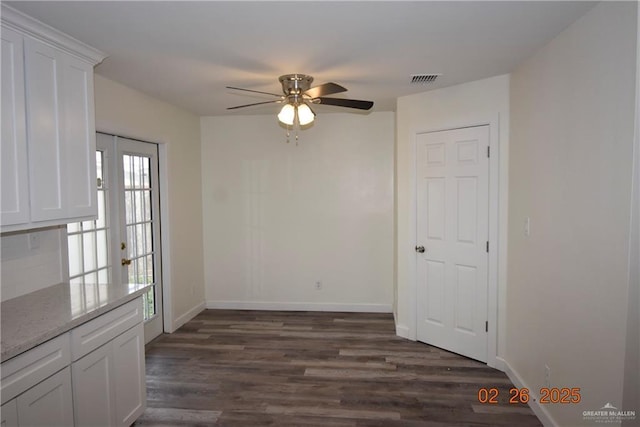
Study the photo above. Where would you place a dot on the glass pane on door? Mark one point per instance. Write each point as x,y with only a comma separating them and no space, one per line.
88,241
139,225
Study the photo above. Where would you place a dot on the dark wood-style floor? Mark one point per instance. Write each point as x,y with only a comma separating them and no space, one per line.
265,368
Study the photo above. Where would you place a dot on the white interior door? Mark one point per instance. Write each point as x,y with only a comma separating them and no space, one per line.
452,239
139,195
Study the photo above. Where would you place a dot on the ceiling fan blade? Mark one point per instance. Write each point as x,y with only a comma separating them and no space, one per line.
254,91
325,89
342,102
255,103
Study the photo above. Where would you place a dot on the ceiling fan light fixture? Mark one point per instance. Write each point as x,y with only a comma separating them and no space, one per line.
305,114
297,97
287,115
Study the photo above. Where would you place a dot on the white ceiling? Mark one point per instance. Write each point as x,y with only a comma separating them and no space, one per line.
187,52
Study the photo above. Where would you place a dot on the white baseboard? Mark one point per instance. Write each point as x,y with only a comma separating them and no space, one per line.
540,410
402,331
184,318
299,306
500,364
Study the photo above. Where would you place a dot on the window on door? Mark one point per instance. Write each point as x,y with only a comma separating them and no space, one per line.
139,222
122,245
88,241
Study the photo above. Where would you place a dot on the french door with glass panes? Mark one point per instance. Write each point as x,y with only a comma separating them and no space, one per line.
139,245
123,244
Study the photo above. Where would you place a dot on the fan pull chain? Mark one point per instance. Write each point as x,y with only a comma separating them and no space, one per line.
289,134
296,126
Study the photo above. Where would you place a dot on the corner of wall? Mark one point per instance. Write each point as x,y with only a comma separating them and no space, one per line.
541,411
631,391
186,316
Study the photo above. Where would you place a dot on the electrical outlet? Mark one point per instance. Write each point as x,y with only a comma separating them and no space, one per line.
527,227
318,285
547,376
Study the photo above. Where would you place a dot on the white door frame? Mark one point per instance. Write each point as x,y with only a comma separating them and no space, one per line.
494,223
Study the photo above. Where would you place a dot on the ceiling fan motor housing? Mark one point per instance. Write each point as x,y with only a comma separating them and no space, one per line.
294,85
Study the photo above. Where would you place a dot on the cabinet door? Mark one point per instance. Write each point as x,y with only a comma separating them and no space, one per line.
22,372
43,81
14,204
79,138
9,414
130,388
93,391
48,403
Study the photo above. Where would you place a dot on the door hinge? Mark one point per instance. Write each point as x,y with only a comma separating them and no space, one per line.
486,326
488,151
487,246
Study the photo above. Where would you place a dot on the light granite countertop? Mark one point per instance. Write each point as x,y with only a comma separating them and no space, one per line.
34,318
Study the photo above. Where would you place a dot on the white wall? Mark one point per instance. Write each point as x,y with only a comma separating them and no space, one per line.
279,217
31,260
127,112
480,102
572,123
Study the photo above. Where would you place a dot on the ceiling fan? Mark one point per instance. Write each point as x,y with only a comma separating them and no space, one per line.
298,95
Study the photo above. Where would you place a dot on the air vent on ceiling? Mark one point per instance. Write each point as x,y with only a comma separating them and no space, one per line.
424,78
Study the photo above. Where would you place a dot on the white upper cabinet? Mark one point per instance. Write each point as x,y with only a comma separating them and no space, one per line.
13,154
49,121
80,136
43,127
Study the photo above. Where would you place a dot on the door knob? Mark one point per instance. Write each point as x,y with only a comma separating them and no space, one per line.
420,249
125,261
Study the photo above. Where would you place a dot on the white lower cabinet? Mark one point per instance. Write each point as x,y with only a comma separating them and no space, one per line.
9,414
93,391
93,375
130,382
109,383
49,403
